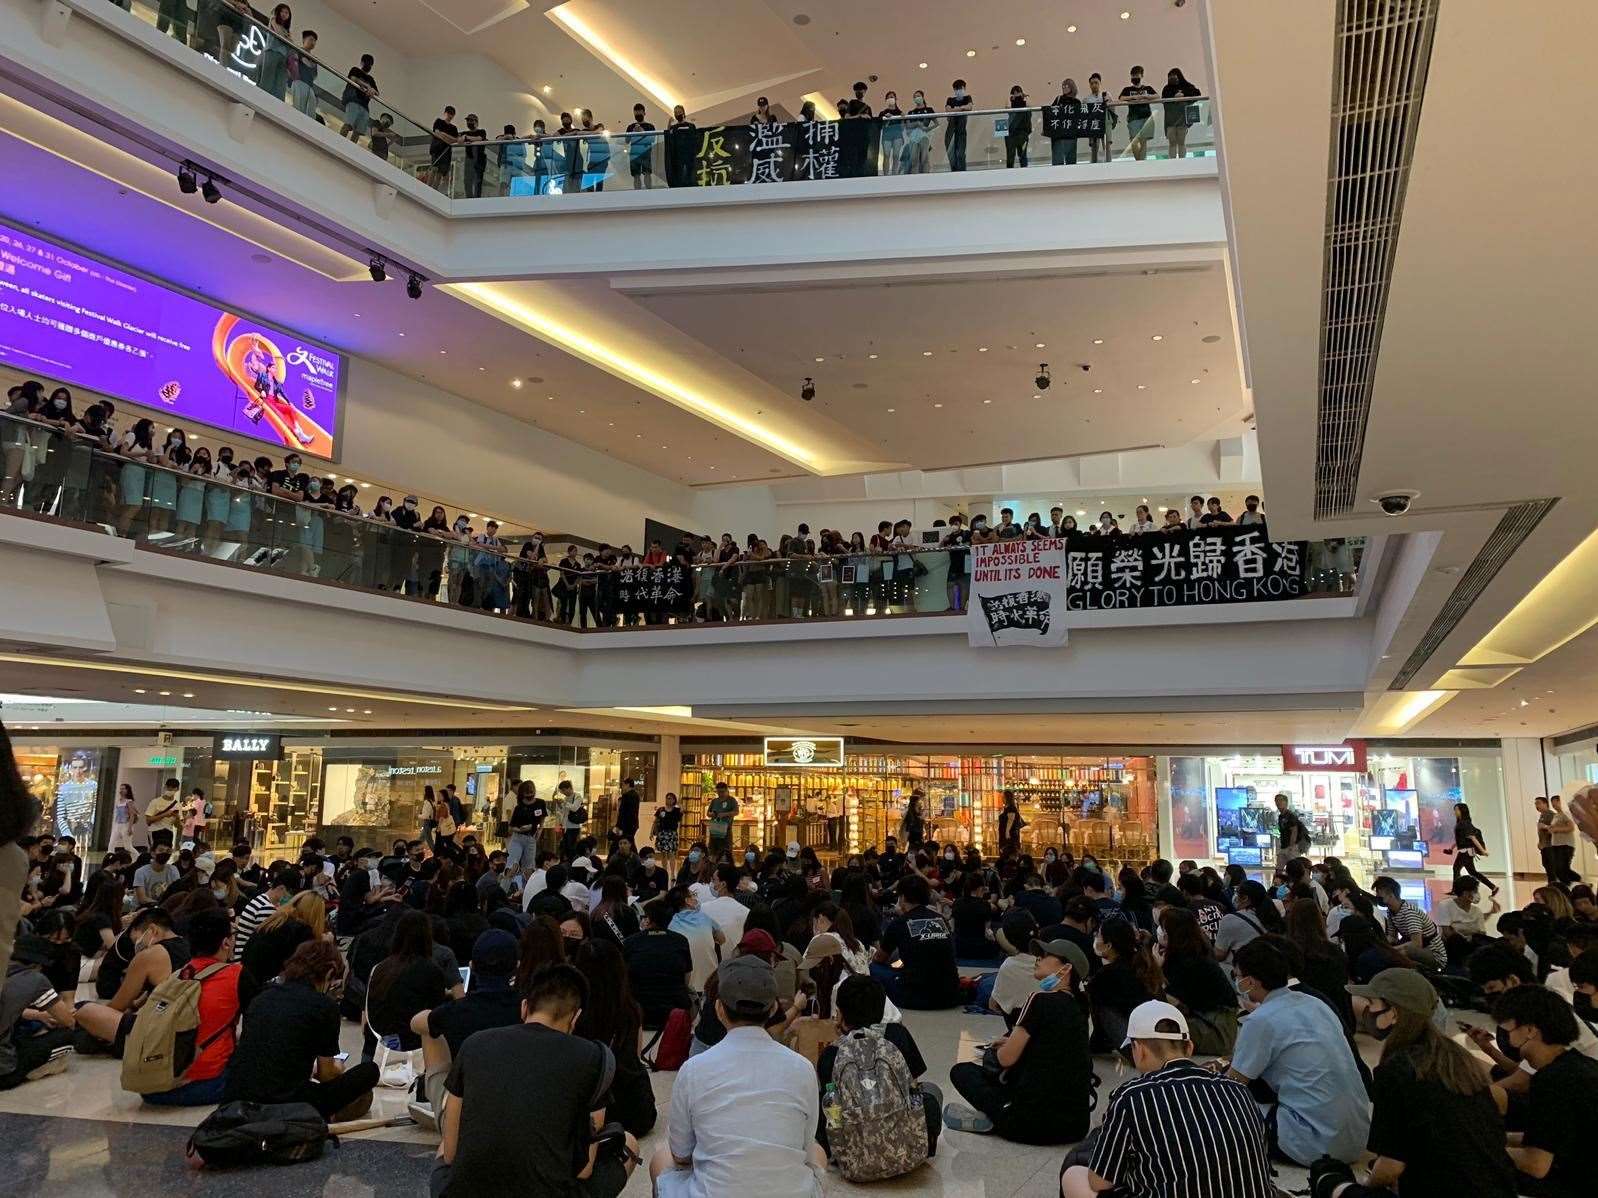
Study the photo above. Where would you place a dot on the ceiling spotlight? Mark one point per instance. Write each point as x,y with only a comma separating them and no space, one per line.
982,349
1098,341
548,89
1042,381
186,182
1038,345
517,383
1157,337
1126,16
937,405
808,391
413,287
139,690
377,268
926,353
873,357
821,359
1070,28
922,65
188,694
1098,391
970,53
209,191
1020,41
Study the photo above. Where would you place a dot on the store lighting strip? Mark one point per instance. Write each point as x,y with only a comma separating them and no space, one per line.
341,692
542,325
608,54
1554,612
1407,707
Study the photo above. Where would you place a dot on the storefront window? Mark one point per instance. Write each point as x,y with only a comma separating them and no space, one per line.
67,784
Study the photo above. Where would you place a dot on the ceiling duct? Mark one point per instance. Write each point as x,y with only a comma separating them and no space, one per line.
1379,76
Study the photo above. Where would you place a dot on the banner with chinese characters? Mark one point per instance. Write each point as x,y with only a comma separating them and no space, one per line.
653,594
1017,593
725,155
1062,122
1230,564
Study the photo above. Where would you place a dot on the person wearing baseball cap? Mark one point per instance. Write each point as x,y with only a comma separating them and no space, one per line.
1043,1091
1176,1128
1433,1120
744,1112
490,1002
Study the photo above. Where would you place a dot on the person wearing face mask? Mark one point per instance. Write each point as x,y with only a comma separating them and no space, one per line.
957,540
1422,1070
1139,115
1251,511
474,138
893,131
1173,1129
430,552
137,447
954,126
459,558
1098,100
698,929
1034,1085
1293,1042
918,136
151,880
981,532
163,485
147,953
1180,115
1017,129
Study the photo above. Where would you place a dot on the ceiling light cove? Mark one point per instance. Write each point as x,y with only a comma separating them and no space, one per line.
585,33
576,341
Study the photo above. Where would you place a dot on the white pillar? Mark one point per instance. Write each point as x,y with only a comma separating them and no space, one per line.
1523,781
668,770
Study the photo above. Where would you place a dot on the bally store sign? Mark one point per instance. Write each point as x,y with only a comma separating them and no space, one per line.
248,746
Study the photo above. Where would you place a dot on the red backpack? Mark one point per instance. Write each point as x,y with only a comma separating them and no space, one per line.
671,1042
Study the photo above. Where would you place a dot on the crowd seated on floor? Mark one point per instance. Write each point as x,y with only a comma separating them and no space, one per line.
777,989
185,500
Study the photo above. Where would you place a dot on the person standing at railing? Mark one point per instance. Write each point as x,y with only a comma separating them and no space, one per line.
957,540
1098,100
544,160
1178,116
382,135
474,139
22,443
1062,150
460,583
302,75
569,154
954,126
640,150
511,155
1017,128
445,135
1139,116
219,25
430,553
174,16
279,49
359,89
597,149
1144,522
918,136
892,135
490,570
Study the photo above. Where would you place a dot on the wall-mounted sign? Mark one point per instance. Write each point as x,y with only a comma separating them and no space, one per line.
1346,758
406,771
248,746
152,757
805,750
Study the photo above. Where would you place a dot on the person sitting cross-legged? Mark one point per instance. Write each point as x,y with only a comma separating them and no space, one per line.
36,1021
491,1001
1175,1129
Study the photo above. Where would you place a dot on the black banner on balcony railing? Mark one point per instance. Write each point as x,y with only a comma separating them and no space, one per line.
1062,122
723,155
652,593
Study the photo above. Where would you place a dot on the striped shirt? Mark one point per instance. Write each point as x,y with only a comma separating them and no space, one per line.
1183,1132
256,912
1410,921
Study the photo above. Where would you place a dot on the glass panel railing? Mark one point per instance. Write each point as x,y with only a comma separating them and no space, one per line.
349,102
61,473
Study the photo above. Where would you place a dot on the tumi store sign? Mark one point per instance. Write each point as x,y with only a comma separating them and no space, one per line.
1346,758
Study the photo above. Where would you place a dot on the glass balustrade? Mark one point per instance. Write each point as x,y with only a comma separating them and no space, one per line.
497,164
60,474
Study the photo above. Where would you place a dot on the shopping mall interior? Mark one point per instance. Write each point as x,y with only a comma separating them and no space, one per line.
838,453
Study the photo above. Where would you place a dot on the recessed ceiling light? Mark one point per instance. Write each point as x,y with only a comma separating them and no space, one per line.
1098,341
1126,16
164,693
332,709
821,359
987,401
1020,41
982,349
366,484
517,383
926,353
402,334
1037,397
354,313
1141,387
1081,513
891,411
366,711
1039,345
1070,28
139,690
1192,380
547,89
481,368
922,65
443,351
1098,391
188,694
970,53
871,355
349,711
1157,337
582,411
937,405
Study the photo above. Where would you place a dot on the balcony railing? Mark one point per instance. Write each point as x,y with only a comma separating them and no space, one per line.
593,160
60,474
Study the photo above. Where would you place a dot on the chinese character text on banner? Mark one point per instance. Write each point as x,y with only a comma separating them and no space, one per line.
1017,593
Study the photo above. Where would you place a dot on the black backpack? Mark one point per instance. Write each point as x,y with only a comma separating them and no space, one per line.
254,1133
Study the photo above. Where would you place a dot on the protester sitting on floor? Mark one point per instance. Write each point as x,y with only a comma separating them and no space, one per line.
1292,1055
1016,979
1409,929
860,1005
612,1017
36,1021
1461,1136
406,982
743,1114
1034,1085
285,880
225,989
289,1048
710,1030
659,964
1462,920
928,978
1498,969
972,916
1128,978
158,952
1174,1130
1554,1156
302,918
490,1001
1195,982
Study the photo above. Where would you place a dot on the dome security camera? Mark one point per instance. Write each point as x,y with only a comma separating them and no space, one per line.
1395,503
1042,381
808,391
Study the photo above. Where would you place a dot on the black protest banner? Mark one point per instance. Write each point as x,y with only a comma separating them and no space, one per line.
1227,564
1065,121
653,593
1027,611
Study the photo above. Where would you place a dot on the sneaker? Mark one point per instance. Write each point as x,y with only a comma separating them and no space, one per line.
959,1117
1325,1175
57,1063
422,1115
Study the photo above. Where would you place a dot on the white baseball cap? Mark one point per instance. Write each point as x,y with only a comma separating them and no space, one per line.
793,848
1146,1019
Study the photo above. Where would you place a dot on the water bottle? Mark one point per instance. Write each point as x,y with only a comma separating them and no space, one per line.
832,1108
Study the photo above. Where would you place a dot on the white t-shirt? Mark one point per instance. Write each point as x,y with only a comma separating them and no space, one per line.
1249,517
1449,914
1015,983
729,915
534,887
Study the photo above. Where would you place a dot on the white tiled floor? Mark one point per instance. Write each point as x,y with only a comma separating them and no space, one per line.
966,1166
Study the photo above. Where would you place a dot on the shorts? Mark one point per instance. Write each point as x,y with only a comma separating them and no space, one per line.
358,116
1140,128
641,167
123,1028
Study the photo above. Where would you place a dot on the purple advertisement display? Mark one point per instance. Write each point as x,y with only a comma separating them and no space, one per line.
70,317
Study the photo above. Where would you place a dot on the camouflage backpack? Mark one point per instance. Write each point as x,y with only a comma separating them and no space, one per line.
883,1129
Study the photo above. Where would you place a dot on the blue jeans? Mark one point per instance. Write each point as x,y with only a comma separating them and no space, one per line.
889,977
521,852
205,1093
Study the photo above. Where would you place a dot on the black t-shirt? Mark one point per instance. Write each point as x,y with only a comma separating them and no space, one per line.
525,1138
87,937
269,949
623,917
532,813
1050,1083
891,865
353,94
286,1028
970,918
1137,112
668,819
1083,940
1441,1136
959,102
627,810
1200,985
487,1004
1559,1120
1215,518
930,980
398,991
1117,988
1042,905
477,154
437,147
658,964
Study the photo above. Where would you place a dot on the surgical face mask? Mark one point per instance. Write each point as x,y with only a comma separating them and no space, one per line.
313,488
948,856
749,857
410,504
292,465
920,100
1050,984
219,891
58,404
959,93
694,857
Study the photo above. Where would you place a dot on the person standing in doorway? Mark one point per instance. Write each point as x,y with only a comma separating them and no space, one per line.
954,126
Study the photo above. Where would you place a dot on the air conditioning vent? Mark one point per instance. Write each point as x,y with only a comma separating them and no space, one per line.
1517,524
1383,51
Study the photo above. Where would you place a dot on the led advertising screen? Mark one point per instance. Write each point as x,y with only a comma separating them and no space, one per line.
72,318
